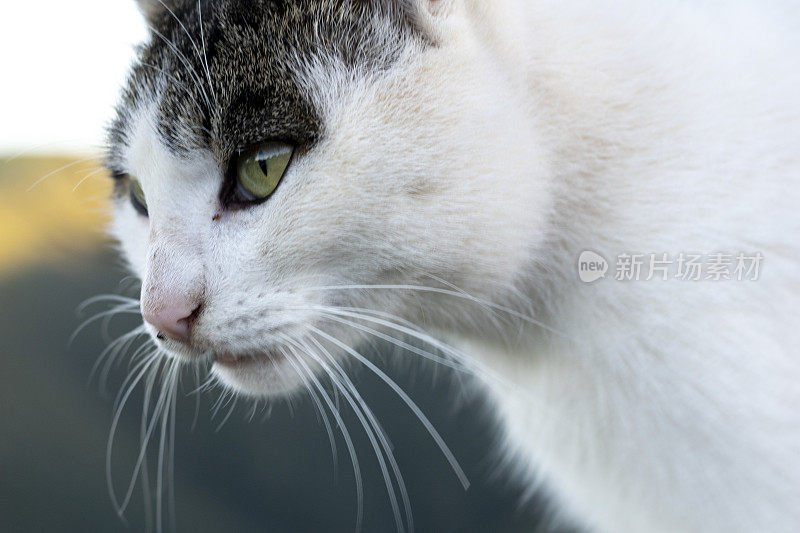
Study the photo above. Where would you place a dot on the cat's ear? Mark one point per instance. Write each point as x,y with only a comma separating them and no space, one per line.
154,9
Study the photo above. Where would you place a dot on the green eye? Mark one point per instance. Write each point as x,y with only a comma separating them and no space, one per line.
137,196
260,169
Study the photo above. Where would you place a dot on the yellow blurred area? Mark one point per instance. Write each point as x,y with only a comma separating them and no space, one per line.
52,209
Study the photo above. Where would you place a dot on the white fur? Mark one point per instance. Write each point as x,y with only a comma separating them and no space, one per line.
532,132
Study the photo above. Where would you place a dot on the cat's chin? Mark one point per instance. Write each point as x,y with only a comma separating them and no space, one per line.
259,374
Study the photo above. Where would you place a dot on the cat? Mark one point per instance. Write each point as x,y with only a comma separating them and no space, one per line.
294,178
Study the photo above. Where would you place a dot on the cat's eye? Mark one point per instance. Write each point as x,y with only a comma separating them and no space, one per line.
137,196
259,170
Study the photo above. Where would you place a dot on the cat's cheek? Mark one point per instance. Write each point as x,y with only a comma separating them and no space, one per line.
131,231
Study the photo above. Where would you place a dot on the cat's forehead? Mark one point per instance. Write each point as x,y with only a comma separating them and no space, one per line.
224,75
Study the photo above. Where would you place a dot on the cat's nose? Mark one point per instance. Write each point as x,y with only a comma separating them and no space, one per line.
174,317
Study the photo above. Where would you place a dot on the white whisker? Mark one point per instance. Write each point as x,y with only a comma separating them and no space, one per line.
89,175
56,171
465,362
375,434
182,58
334,408
157,412
448,292
120,309
196,398
462,477
205,56
235,400
322,415
119,344
106,298
162,445
117,414
192,41
143,473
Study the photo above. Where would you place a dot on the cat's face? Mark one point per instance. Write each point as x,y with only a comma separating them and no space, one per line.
401,175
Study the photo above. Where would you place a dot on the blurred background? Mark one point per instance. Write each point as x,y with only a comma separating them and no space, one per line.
261,470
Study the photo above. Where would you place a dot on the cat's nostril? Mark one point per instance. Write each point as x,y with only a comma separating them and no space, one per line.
174,319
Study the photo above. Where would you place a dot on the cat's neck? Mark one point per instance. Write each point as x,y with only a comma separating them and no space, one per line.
626,118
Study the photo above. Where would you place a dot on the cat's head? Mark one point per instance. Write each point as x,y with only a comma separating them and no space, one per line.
287,171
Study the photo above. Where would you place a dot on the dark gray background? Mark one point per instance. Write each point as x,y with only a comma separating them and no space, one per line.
269,474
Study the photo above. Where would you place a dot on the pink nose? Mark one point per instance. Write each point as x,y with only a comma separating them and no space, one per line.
174,318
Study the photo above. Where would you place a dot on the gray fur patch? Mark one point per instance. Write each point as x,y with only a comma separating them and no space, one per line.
224,73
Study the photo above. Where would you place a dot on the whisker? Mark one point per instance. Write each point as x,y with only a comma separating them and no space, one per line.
117,346
117,414
171,470
462,477
182,58
143,473
334,408
203,387
162,398
448,292
164,417
89,175
322,415
205,56
120,399
373,430
122,309
191,40
197,399
65,167
106,298
253,411
59,146
221,400
454,364
422,336
235,399
468,365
